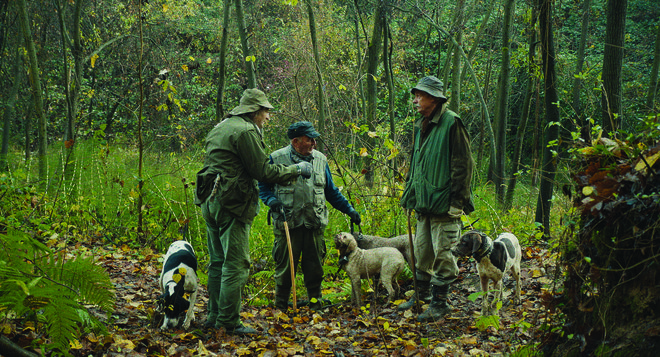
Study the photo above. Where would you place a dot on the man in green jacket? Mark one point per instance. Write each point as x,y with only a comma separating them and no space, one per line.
228,194
305,212
438,190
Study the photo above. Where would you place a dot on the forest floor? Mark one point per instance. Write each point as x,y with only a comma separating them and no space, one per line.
339,330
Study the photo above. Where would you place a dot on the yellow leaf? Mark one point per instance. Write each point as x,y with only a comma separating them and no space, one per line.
587,190
372,134
191,58
536,273
342,87
209,60
386,325
165,7
363,152
641,166
94,58
75,345
185,67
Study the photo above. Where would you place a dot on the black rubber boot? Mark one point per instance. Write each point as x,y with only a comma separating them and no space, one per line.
315,302
424,294
438,307
282,297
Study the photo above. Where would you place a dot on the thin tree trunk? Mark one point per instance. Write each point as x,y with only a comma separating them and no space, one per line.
35,81
611,101
549,166
653,86
387,64
319,74
577,81
524,119
219,106
455,101
9,110
501,115
478,37
372,98
249,63
140,229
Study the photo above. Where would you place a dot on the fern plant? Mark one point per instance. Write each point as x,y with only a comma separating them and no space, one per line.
42,286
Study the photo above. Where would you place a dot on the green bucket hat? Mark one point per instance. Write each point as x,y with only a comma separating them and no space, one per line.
431,85
251,101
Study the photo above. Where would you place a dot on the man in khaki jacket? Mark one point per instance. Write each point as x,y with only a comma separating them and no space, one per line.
228,194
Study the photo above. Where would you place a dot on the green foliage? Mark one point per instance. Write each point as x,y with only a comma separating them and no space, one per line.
51,289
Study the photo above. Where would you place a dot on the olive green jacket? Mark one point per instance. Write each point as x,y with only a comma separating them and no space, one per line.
441,167
235,160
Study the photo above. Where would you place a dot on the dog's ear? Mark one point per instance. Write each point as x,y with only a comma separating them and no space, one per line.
476,242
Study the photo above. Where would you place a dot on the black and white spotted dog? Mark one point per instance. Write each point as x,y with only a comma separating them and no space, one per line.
493,258
177,278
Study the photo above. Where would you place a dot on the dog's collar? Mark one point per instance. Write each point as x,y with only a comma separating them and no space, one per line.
485,249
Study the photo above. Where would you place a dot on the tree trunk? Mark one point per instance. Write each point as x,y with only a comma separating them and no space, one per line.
9,110
478,37
501,115
524,119
387,64
35,81
319,74
219,106
141,234
653,86
372,93
71,92
549,166
577,81
455,102
249,63
611,101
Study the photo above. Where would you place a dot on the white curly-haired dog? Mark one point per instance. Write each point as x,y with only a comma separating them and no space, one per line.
493,258
402,243
366,263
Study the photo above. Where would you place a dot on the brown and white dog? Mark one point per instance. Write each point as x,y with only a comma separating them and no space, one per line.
178,277
364,264
493,258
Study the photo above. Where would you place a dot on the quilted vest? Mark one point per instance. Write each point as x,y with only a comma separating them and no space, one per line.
305,198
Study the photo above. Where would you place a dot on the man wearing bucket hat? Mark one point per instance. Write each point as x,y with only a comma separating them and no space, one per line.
228,194
438,190
305,212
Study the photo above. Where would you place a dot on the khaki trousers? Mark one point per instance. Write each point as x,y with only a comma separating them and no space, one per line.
434,239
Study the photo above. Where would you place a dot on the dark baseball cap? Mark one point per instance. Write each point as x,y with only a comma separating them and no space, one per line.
302,128
431,85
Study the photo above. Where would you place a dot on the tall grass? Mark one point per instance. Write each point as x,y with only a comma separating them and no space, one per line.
99,204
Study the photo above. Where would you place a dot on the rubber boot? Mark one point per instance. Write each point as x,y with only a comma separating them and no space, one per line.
438,307
424,294
282,297
314,295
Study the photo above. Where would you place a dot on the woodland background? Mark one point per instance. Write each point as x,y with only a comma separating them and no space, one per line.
105,105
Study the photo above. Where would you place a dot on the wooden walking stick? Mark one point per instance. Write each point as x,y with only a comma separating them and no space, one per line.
414,262
291,267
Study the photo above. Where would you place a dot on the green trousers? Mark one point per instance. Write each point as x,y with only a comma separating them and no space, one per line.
229,264
434,239
306,242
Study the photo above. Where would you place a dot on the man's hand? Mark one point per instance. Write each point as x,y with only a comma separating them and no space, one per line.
276,205
355,216
304,169
455,212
